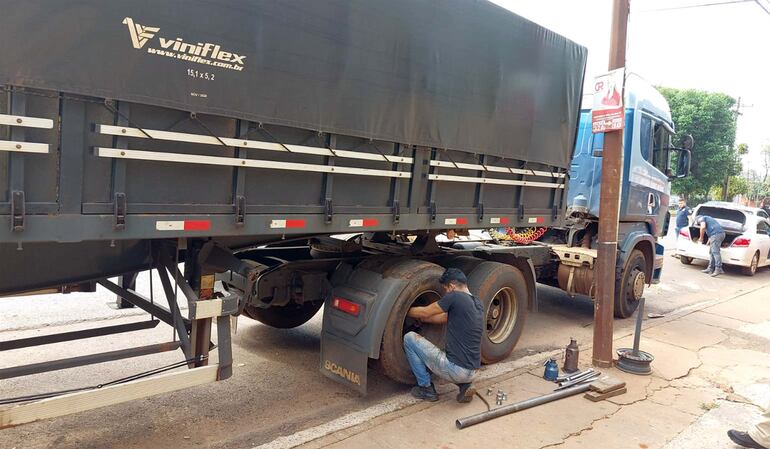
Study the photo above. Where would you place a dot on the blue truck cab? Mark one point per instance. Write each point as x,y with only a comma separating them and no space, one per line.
650,162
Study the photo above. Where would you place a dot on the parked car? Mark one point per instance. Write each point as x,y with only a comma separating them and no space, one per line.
747,236
758,211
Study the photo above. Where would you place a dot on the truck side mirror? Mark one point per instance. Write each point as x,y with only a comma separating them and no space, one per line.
683,163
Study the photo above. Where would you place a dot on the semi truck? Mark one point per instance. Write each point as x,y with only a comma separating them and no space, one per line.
300,156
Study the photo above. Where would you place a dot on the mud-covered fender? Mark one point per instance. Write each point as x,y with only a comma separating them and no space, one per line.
645,242
348,340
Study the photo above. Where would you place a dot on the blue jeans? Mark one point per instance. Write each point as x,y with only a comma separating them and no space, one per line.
424,355
715,256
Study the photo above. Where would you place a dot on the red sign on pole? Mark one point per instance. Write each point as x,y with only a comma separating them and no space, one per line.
607,113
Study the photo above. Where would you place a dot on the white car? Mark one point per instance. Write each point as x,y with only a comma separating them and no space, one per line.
747,238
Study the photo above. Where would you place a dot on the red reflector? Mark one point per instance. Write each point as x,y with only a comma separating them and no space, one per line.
346,306
504,220
741,242
684,232
462,221
370,222
295,223
197,225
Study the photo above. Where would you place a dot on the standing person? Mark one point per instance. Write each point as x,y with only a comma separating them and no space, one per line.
758,437
682,216
463,314
713,230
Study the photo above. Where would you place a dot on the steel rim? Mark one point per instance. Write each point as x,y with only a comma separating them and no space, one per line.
637,286
502,314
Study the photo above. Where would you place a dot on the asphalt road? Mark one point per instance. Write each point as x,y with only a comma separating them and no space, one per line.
276,389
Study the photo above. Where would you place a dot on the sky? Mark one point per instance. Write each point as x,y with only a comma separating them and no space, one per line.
720,48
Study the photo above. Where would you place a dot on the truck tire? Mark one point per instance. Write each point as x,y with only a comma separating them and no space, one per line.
630,287
285,317
685,260
502,291
423,288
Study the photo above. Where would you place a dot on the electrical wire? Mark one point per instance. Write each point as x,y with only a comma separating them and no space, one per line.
137,376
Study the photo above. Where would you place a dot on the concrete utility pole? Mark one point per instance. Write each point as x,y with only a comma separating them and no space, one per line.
609,211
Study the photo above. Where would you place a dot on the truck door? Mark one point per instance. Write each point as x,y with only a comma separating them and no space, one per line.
646,195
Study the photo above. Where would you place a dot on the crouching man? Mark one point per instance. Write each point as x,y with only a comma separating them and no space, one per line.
463,314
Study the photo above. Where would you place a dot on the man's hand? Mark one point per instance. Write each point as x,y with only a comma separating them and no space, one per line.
426,314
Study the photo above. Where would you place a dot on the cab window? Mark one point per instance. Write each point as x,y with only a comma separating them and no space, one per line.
645,138
660,144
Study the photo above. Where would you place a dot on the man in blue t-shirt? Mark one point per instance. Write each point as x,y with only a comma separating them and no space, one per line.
464,316
682,216
713,230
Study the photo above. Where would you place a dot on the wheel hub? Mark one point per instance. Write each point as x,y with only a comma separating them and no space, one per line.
501,316
637,280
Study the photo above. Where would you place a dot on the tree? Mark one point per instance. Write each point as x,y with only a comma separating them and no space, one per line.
709,117
737,185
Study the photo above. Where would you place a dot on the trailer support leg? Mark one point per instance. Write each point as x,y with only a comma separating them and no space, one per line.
128,281
202,283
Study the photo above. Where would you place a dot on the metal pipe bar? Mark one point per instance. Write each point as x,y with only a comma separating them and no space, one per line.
72,362
182,327
463,423
76,335
638,331
140,301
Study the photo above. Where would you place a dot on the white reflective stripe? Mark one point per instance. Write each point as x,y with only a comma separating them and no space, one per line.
243,143
27,122
23,147
450,221
495,220
235,162
278,224
357,223
532,220
508,182
169,225
493,168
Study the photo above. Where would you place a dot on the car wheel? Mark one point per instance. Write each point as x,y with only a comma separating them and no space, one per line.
751,270
685,260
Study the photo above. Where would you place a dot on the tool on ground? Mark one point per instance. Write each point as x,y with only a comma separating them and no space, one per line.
590,377
571,355
574,376
468,421
604,386
551,371
633,360
580,378
489,391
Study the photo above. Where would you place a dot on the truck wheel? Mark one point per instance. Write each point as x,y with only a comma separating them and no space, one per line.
629,289
422,289
751,270
502,290
285,317
685,260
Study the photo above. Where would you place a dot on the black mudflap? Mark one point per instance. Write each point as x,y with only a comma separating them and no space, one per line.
342,363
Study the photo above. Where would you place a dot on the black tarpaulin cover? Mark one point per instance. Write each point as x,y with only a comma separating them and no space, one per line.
454,74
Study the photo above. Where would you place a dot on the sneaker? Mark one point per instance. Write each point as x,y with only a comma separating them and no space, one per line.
425,393
466,392
743,439
717,273
708,270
